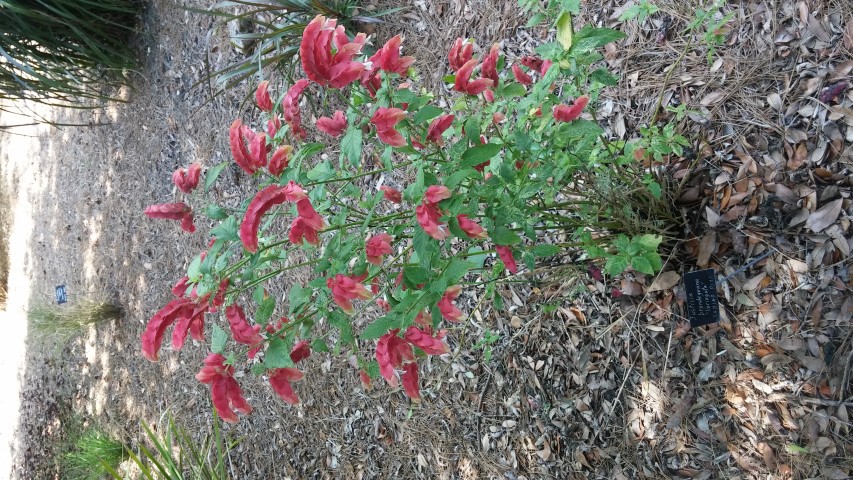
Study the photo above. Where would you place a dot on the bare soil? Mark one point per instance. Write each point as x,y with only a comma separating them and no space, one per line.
584,382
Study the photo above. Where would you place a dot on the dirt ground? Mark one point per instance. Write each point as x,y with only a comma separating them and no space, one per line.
581,383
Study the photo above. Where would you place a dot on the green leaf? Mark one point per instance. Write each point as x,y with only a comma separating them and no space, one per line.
212,174
226,230
536,20
379,327
372,369
319,345
654,260
414,276
456,270
545,250
549,50
642,265
648,241
472,130
307,151
342,323
321,171
265,311
218,339
513,89
458,176
504,236
351,145
604,77
564,30
477,260
215,212
425,246
298,297
194,270
590,38
278,353
616,265
655,189
427,112
479,154
259,369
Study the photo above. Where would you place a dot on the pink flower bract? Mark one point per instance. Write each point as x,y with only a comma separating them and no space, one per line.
377,247
262,96
388,57
173,211
335,70
345,289
385,119
566,113
334,126
226,393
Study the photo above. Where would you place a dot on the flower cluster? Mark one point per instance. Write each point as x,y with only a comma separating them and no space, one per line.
476,181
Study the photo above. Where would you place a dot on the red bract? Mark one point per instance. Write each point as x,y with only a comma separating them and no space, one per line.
261,204
258,149
531,62
391,350
239,135
546,65
520,76
300,351
436,193
173,211
306,211
470,227
383,304
264,200
410,381
300,231
280,379
366,383
191,322
241,330
388,57
446,307
321,66
273,125
180,288
391,194
426,342
460,53
377,247
186,179
428,217
152,338
490,64
505,252
345,289
219,298
437,128
290,107
333,126
262,96
226,392
385,119
566,113
280,160
464,83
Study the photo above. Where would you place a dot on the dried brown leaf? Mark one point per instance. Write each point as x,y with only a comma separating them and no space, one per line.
824,216
680,410
706,249
848,34
665,281
714,97
768,455
713,217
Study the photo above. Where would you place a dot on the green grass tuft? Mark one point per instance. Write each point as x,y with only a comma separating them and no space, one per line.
93,452
49,321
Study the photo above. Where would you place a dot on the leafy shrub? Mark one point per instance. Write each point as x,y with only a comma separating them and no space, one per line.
517,158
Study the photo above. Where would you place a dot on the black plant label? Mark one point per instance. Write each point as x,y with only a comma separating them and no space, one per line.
702,304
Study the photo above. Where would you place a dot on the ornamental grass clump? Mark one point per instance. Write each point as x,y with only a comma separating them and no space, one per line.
517,158
63,51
